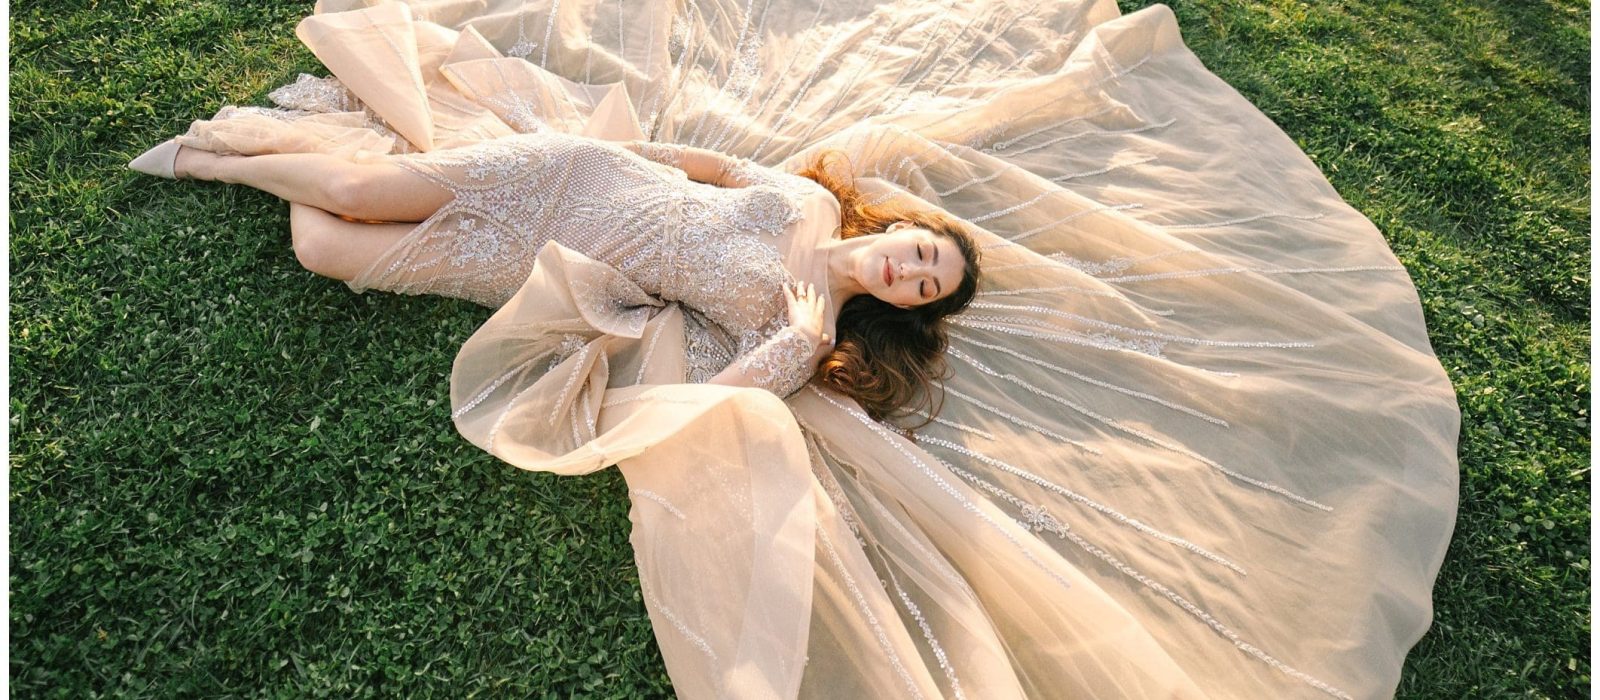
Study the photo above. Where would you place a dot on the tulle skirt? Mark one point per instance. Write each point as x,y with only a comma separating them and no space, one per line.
1195,442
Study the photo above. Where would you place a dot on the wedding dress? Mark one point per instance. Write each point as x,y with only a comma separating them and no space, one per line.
1195,442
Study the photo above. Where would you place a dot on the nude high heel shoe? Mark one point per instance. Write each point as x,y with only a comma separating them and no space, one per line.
160,161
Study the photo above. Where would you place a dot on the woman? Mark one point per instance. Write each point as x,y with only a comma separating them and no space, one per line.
1190,442
601,201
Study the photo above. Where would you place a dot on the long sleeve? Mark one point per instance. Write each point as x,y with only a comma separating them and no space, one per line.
709,166
781,364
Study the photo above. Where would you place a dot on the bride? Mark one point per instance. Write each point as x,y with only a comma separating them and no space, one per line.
1182,436
885,293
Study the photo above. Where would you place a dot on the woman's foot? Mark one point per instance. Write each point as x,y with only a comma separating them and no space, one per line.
175,162
160,161
196,164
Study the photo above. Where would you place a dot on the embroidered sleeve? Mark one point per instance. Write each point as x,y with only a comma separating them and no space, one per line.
738,172
312,94
663,153
718,168
781,364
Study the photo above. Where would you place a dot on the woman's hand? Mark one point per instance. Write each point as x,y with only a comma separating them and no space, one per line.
699,164
806,311
663,153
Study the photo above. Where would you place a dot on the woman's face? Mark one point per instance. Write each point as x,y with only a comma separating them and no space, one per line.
908,266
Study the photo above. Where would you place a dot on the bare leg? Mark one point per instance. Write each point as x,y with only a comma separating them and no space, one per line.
332,247
376,191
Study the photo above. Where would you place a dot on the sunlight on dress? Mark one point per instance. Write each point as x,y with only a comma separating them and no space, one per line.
1195,442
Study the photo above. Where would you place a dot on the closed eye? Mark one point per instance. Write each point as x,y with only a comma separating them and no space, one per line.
922,288
919,252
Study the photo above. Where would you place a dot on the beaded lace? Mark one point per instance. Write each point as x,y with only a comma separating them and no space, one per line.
706,246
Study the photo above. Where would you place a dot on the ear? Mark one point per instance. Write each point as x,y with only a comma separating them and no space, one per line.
896,226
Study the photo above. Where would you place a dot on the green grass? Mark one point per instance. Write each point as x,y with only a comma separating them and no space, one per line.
231,477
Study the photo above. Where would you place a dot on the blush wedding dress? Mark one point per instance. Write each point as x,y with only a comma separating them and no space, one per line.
1194,444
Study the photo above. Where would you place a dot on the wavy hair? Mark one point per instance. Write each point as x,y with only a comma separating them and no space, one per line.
887,358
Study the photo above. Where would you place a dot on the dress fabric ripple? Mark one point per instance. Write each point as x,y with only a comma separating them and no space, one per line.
1195,443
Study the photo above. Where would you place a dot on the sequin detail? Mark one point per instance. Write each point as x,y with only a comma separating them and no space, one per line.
927,634
569,346
312,94
1036,518
831,487
706,349
706,246
1205,617
1147,437
944,485
659,500
664,154
866,612
779,365
683,628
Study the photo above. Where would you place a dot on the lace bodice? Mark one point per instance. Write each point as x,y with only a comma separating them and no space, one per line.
1170,418
712,248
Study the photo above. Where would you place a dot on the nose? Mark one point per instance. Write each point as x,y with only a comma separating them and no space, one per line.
904,271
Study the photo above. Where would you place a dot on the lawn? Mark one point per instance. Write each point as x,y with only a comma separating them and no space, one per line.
231,477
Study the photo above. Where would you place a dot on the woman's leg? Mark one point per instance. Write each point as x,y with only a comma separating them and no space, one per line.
376,191
332,247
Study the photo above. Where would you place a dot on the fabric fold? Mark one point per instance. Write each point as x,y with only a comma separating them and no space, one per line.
374,52
733,457
1171,459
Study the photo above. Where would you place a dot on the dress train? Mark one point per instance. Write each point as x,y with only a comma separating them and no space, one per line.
1195,442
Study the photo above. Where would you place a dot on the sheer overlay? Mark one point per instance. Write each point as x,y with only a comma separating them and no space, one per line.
1195,444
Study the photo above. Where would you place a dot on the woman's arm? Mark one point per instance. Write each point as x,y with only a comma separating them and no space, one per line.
786,361
703,165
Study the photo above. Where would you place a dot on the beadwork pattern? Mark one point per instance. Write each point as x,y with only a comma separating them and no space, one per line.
1068,245
706,246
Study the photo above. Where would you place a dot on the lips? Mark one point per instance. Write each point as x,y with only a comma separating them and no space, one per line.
887,278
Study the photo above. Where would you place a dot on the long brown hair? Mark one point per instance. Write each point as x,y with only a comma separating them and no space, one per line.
884,357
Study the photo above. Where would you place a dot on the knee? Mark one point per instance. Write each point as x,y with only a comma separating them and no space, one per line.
309,234
352,192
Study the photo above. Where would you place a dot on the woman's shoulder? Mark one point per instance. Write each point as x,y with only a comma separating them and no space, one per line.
815,190
823,209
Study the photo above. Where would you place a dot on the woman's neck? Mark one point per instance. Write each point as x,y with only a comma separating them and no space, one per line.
841,257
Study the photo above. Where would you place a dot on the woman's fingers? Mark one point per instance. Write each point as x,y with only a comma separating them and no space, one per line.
806,310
